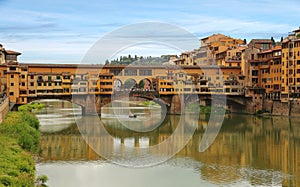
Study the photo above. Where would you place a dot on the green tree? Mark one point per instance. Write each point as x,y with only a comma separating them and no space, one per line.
281,39
41,180
245,41
273,41
141,84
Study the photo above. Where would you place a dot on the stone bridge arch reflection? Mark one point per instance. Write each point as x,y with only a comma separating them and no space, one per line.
58,114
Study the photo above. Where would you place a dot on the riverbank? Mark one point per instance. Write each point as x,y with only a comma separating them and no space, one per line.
19,141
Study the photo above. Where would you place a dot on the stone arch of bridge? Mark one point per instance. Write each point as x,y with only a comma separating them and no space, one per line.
137,79
145,84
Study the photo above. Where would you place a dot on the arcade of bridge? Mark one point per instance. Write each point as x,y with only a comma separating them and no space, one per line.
120,80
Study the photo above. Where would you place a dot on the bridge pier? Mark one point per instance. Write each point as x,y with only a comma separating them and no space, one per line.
177,104
83,111
87,103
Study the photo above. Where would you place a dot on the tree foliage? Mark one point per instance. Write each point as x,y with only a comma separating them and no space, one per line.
126,60
31,106
273,41
19,136
141,84
23,127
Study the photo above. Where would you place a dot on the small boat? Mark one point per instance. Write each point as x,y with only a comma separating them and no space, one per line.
131,115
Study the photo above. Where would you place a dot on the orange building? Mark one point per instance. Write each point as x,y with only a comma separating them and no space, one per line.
270,72
291,66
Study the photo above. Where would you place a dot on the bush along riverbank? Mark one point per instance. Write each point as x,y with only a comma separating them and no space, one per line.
31,106
19,142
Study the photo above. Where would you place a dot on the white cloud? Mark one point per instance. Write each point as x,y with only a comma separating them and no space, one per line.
206,25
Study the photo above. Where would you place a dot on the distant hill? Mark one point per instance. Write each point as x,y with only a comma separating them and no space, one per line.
135,60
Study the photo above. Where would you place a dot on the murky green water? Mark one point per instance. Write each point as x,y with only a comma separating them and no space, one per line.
248,151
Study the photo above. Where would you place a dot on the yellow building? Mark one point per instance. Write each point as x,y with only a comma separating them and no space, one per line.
250,63
8,70
217,46
291,66
205,80
214,50
270,72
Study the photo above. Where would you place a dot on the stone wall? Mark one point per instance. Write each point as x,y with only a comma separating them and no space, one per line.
280,108
295,108
4,108
268,105
253,105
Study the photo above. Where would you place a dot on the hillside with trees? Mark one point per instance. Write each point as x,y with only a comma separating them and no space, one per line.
135,60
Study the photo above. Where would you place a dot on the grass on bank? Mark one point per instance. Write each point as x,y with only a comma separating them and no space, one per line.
17,167
19,139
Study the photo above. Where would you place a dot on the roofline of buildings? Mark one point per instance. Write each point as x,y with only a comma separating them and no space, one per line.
117,66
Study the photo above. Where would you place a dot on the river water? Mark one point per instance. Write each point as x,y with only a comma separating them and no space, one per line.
248,151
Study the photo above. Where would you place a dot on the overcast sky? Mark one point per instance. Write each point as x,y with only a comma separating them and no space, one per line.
61,31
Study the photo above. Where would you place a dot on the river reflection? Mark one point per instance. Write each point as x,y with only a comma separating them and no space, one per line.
248,151
57,116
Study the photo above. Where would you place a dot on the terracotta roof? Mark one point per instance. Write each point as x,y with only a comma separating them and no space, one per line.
261,41
10,52
285,41
297,30
277,47
268,51
242,47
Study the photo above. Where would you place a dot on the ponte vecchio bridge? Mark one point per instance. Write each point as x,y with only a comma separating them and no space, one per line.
92,86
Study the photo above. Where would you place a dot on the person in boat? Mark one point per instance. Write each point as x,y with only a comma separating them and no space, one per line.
132,115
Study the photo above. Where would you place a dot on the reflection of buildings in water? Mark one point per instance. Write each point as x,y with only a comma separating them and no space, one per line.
65,147
268,144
